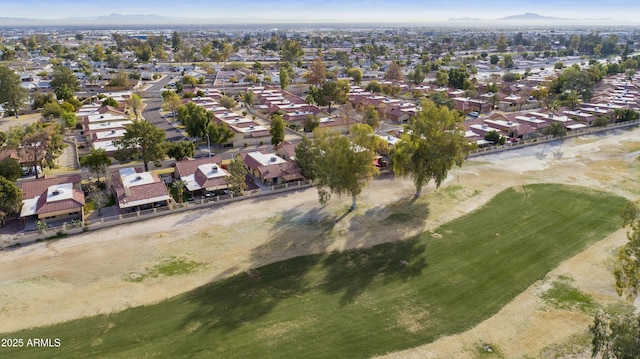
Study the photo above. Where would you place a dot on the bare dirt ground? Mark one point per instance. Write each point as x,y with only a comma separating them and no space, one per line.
92,273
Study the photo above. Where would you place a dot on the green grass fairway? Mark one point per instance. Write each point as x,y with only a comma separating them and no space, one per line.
360,303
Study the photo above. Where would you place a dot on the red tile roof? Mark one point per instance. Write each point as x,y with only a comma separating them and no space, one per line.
33,188
288,170
75,202
189,166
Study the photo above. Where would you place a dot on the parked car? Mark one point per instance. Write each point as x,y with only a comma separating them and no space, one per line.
474,114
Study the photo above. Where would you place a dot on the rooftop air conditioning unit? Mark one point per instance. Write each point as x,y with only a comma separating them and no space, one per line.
214,169
138,178
251,127
273,159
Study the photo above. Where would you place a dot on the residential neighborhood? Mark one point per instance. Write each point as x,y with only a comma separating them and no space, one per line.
333,167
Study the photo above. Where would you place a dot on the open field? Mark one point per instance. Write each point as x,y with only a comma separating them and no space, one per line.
363,302
144,263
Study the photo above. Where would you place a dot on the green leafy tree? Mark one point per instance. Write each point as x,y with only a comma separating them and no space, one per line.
196,119
371,117
98,53
442,77
143,52
494,137
416,76
145,139
181,149
12,94
374,86
236,181
578,81
135,103
627,269
10,196
226,51
441,99
277,129
96,161
176,41
52,110
501,44
356,74
457,77
171,101
616,337
291,51
307,155
220,133
189,80
121,79
110,101
228,102
311,122
331,92
63,76
619,336
10,169
41,99
345,165
284,77
432,143
64,93
248,98
68,119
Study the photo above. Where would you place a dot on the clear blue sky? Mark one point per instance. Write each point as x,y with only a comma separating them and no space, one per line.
327,10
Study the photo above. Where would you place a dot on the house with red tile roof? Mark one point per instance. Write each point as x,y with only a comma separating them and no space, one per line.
53,198
137,190
286,150
270,169
203,174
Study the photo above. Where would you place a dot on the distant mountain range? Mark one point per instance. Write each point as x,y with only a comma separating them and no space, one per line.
113,19
531,18
152,19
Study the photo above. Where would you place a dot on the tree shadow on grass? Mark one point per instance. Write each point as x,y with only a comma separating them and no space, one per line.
246,297
388,223
295,232
281,266
351,272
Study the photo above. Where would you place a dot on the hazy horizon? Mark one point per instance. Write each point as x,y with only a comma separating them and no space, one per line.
305,11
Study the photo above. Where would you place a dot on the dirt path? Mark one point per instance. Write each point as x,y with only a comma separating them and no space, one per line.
91,273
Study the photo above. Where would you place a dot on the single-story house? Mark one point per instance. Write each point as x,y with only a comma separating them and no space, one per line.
203,174
138,190
53,198
270,169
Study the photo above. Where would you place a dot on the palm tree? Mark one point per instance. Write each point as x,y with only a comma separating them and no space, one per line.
179,186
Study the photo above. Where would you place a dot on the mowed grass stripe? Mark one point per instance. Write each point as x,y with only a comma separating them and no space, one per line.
359,303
